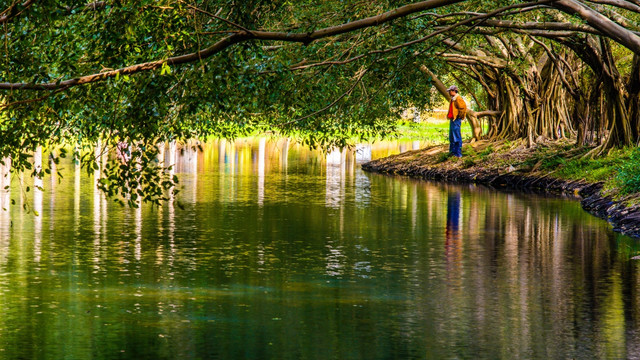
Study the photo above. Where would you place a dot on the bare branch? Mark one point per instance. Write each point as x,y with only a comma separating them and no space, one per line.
619,4
9,13
608,27
22,102
486,113
476,21
549,26
217,17
469,59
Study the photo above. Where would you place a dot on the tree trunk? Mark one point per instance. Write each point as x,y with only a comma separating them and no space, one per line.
633,87
614,113
472,117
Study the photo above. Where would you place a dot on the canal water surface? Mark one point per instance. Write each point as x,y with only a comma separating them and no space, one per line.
273,251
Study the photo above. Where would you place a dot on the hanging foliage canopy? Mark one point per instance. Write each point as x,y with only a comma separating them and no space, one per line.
147,72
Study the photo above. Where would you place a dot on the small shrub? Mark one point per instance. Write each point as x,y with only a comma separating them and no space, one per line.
444,156
489,150
629,174
467,163
469,151
553,162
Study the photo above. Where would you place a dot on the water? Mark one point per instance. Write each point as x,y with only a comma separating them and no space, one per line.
283,253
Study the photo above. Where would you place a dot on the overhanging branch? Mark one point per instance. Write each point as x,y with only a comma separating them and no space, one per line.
11,12
238,37
608,27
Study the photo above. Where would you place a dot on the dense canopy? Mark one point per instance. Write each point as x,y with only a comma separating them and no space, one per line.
148,72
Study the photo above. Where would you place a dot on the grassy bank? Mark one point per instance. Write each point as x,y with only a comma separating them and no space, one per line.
618,170
608,185
432,131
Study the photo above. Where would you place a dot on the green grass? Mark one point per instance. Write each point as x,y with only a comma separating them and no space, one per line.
571,163
619,169
432,131
593,170
442,157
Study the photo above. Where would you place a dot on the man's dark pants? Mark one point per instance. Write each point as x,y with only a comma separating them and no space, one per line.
455,138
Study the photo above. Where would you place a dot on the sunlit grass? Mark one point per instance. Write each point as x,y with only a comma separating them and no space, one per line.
430,131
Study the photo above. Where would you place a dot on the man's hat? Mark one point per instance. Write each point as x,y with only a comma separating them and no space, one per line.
453,88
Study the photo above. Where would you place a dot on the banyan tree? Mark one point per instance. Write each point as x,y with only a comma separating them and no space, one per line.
146,72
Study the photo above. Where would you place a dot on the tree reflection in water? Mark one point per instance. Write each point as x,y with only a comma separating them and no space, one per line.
277,253
453,240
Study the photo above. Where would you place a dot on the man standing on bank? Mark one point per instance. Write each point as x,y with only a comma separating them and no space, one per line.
457,112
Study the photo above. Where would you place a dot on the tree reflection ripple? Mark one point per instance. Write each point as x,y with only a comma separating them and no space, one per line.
275,251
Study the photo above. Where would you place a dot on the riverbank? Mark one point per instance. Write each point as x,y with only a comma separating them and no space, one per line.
603,185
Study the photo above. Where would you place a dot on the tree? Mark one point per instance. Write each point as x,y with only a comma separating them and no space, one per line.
144,72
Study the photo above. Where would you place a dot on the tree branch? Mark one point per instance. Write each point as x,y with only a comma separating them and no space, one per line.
10,12
217,17
241,36
470,59
346,93
480,18
486,113
548,26
554,59
619,4
608,27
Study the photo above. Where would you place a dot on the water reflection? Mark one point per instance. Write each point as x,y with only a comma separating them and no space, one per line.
261,160
5,210
5,183
336,176
99,225
284,156
453,240
76,190
37,204
281,252
363,153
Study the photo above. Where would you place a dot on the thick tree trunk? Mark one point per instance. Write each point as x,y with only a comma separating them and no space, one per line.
612,115
472,116
633,87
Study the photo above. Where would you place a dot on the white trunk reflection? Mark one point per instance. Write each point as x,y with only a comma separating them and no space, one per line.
76,189
284,156
37,205
99,225
172,156
137,252
335,177
160,156
261,160
363,153
5,183
5,210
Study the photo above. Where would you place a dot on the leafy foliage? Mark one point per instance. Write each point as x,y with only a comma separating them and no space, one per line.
629,174
326,92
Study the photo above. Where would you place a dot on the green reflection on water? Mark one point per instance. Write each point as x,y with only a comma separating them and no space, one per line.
285,253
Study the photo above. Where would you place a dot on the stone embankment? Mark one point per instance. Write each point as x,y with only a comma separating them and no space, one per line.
428,164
